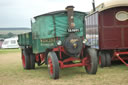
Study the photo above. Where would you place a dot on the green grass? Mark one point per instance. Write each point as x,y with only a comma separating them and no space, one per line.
8,50
12,73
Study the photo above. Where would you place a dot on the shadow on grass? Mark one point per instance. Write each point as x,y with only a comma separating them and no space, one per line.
72,72
44,67
64,73
117,65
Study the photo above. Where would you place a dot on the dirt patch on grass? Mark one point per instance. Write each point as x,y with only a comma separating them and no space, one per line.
12,73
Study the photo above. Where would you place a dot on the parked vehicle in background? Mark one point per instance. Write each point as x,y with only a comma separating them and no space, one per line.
108,25
1,41
10,43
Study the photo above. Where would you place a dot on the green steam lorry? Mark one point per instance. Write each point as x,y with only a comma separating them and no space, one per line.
58,40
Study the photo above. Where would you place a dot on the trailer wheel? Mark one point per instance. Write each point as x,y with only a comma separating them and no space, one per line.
102,59
91,68
108,59
53,65
32,61
25,59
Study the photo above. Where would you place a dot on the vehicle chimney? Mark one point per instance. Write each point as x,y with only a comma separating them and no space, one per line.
70,16
93,5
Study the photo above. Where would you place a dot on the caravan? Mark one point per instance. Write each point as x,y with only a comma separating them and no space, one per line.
10,43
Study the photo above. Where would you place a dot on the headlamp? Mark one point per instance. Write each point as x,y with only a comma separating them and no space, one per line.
59,42
84,41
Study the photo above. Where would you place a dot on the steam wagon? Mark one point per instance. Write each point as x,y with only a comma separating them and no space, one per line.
58,40
107,31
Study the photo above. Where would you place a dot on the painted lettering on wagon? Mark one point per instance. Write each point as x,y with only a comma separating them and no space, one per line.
47,40
47,44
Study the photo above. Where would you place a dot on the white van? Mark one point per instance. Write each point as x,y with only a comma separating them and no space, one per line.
10,43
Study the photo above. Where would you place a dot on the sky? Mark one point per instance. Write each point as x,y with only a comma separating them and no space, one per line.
17,13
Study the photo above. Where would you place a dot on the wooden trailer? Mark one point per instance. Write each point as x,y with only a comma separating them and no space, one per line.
107,31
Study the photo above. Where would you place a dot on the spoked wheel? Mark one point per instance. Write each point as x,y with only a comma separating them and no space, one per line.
102,59
32,61
53,65
92,63
25,59
108,59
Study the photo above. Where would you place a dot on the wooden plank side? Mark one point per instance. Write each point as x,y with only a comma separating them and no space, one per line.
113,33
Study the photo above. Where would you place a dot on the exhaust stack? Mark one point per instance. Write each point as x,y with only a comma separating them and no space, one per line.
70,16
93,5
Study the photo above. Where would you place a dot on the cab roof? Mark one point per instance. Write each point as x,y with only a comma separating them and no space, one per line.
111,4
57,12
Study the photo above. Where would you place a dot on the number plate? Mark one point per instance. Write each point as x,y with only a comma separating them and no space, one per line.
73,30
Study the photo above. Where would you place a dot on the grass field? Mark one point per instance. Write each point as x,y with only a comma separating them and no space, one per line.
12,73
4,51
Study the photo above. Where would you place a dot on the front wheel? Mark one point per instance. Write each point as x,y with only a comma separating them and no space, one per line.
53,65
92,64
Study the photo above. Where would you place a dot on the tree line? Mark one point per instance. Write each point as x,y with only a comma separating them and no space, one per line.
9,35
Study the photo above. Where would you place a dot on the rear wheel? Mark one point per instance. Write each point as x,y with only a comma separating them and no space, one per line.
53,65
108,59
25,59
92,63
32,61
102,59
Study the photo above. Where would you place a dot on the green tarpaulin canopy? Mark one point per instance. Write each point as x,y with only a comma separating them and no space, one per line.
55,24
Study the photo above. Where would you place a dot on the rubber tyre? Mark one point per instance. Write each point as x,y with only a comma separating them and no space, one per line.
53,65
25,59
108,59
103,59
32,61
92,61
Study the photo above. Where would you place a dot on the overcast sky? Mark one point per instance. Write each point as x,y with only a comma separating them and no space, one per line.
17,13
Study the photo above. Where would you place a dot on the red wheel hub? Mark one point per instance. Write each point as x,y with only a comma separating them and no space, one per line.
99,59
23,60
50,65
